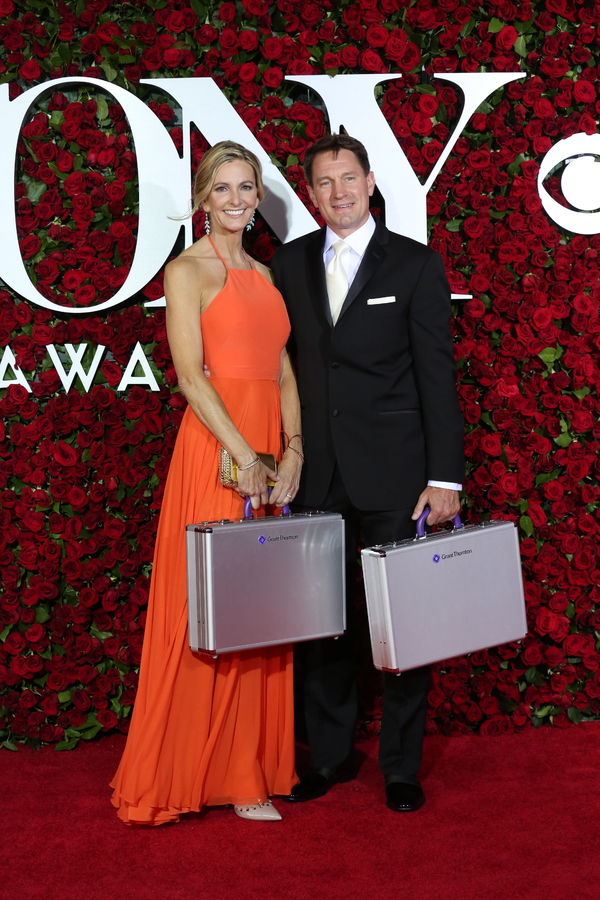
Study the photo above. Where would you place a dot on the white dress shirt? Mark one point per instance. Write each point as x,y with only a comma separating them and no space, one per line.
358,242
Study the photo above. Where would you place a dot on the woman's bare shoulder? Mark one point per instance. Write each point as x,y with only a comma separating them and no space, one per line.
264,270
196,261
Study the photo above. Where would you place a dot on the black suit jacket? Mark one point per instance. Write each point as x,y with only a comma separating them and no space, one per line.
378,390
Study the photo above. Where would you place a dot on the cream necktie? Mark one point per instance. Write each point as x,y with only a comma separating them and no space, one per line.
336,279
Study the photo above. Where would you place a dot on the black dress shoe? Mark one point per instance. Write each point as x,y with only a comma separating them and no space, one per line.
403,797
316,782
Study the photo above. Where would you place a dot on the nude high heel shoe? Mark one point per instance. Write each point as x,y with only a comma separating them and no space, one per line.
260,812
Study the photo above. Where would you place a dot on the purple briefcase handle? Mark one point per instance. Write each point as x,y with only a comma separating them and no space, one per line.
421,522
248,513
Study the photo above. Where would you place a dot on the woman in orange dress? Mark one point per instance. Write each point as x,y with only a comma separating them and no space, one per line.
216,731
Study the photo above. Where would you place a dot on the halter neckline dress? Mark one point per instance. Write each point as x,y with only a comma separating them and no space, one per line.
210,732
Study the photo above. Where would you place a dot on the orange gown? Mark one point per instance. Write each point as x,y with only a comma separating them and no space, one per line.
204,731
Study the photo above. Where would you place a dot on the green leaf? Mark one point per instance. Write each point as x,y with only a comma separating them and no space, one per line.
426,89
525,27
582,392
495,26
574,714
5,632
101,635
121,42
521,46
56,118
41,614
526,525
64,51
64,696
90,733
543,711
8,745
35,189
515,166
550,354
57,172
545,477
563,440
67,745
454,224
108,70
102,111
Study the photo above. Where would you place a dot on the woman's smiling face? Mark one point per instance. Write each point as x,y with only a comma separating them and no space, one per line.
233,197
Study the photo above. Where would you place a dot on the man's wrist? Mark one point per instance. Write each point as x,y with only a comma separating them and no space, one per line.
446,485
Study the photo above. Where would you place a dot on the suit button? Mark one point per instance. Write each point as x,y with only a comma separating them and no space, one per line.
335,412
335,365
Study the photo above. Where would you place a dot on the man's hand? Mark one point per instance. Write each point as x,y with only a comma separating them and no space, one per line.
444,505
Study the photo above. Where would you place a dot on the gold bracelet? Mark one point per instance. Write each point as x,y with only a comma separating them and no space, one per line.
295,451
250,465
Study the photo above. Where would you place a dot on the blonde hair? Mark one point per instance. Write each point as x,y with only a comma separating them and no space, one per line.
222,153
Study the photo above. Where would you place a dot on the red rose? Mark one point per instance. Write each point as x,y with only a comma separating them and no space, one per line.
47,270
377,36
372,62
30,70
506,38
35,633
272,48
410,58
30,245
248,72
421,124
498,724
90,44
14,643
81,700
584,92
227,12
396,44
206,35
107,717
272,77
65,454
349,57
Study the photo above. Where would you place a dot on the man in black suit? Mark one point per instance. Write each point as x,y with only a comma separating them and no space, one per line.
370,314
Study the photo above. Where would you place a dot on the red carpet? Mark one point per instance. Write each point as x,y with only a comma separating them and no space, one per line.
516,816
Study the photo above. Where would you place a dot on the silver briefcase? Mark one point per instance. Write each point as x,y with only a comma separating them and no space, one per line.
259,582
441,595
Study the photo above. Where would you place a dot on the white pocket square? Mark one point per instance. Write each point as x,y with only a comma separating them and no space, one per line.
375,301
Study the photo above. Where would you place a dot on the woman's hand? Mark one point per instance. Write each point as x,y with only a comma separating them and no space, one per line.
253,483
288,479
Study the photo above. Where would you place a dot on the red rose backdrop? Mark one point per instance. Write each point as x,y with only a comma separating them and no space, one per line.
82,473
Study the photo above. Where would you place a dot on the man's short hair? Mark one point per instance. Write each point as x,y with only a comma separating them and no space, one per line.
333,143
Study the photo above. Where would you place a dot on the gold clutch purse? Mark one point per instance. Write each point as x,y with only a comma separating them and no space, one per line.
228,468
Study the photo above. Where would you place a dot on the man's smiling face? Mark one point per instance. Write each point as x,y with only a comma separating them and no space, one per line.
341,190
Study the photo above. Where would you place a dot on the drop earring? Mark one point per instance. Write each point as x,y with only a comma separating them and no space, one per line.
207,222
251,222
